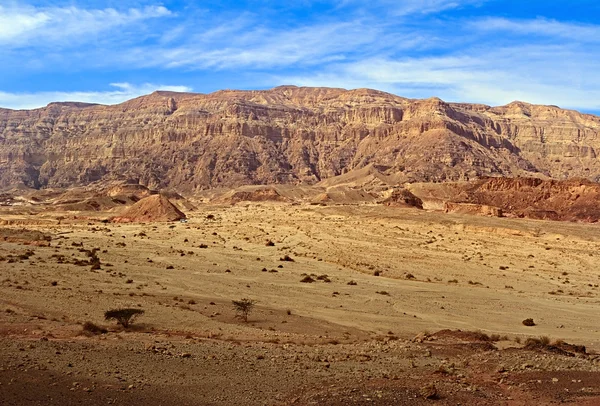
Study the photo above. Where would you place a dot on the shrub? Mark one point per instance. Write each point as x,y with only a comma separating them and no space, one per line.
243,308
123,317
528,322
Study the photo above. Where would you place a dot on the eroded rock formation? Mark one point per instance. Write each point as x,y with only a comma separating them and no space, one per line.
189,142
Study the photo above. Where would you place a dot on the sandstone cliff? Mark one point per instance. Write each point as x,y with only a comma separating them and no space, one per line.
189,142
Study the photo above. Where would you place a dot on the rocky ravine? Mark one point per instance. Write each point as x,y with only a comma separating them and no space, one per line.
289,135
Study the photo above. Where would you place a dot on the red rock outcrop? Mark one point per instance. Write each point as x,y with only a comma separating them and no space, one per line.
572,200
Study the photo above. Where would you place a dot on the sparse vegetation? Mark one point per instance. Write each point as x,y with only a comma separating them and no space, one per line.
243,308
528,322
324,278
124,317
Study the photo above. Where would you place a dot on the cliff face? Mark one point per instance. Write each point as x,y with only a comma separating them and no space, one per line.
289,135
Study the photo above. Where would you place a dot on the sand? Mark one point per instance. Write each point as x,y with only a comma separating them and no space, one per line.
305,343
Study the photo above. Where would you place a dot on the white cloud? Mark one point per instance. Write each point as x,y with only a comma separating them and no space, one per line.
534,74
413,7
408,7
120,93
259,47
396,45
24,25
541,27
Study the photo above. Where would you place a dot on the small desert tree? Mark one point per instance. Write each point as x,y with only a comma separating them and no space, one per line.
123,316
243,308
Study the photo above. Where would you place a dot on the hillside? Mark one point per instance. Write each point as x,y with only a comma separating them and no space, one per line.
189,142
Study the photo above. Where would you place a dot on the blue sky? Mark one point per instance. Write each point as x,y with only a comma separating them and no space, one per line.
486,51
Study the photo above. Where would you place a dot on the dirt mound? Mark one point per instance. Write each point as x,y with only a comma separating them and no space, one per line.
155,208
469,336
558,347
403,198
23,235
179,201
96,203
370,178
252,194
471,208
344,195
129,189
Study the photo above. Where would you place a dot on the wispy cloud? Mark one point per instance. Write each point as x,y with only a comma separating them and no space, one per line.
414,48
413,7
536,74
25,25
262,47
540,27
118,93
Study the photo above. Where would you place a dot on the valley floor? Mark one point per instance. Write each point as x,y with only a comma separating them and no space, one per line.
381,276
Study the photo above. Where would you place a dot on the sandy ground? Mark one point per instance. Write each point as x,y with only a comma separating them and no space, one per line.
326,342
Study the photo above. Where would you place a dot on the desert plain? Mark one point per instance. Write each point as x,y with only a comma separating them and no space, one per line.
355,304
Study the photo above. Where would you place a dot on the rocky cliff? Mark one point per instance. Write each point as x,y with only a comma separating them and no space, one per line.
290,135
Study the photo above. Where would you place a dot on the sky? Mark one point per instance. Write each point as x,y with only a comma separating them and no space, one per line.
478,51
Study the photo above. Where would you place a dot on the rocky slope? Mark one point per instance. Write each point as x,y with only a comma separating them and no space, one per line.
570,200
190,142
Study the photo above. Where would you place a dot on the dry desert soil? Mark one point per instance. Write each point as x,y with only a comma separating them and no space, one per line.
405,307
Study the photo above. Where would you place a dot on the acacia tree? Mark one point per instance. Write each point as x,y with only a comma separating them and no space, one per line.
123,317
243,308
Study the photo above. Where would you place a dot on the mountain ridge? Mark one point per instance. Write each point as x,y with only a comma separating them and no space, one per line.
289,134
